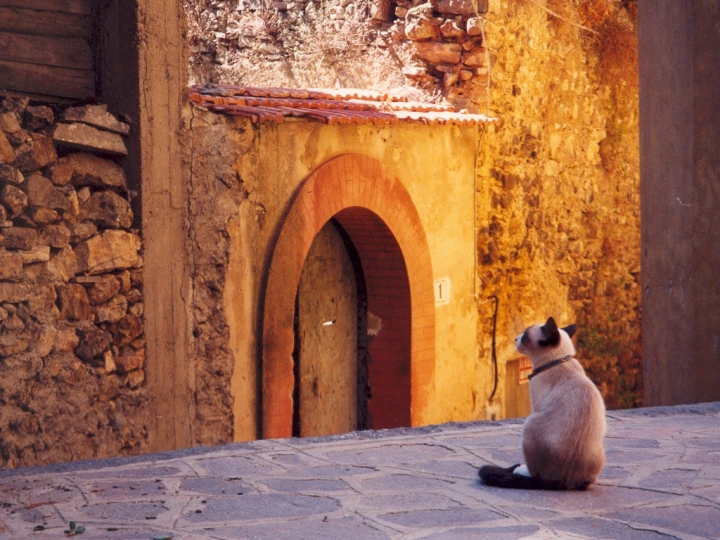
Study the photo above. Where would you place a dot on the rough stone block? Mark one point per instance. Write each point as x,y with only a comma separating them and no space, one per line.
35,154
135,378
85,137
93,343
61,173
10,266
43,216
474,26
418,23
36,254
56,236
42,303
111,250
130,362
62,266
380,10
20,237
450,29
111,385
475,58
91,170
9,122
10,175
104,289
461,7
97,116
36,117
82,231
126,330
15,293
74,303
112,310
14,199
7,154
66,339
107,210
439,52
42,193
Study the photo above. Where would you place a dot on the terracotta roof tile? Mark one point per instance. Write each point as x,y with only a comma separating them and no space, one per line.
330,106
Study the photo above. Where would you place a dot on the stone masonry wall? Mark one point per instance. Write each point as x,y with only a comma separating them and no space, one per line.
72,346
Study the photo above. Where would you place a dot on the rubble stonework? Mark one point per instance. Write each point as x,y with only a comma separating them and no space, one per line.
72,342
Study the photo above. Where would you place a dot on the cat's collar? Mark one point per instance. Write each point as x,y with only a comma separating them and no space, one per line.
549,365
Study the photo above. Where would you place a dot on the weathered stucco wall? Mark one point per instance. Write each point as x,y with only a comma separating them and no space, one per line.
558,184
244,178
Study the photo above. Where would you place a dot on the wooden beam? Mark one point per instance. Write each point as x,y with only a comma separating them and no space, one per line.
46,50
45,23
79,7
51,80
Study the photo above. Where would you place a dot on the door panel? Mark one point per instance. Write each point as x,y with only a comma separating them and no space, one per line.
326,343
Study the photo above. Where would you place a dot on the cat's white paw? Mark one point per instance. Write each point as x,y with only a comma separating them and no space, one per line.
522,470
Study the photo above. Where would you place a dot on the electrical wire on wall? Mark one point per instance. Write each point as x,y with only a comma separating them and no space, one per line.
477,157
492,344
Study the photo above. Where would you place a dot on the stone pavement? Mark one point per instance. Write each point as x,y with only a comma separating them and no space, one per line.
661,480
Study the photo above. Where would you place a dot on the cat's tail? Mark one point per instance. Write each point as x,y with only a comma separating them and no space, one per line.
492,475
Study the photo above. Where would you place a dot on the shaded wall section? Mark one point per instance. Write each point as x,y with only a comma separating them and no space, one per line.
680,190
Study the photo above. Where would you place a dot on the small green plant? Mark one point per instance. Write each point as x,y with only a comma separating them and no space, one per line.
74,529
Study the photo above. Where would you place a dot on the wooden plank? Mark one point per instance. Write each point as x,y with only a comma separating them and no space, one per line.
45,23
47,80
46,50
79,7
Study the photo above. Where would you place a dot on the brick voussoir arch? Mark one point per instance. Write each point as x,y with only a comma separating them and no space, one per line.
347,181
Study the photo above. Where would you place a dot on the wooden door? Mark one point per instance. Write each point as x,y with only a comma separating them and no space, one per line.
326,351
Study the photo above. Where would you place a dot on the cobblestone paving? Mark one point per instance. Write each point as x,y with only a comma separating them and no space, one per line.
661,480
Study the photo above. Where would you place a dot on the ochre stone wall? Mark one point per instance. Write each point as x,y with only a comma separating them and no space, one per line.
559,211
72,347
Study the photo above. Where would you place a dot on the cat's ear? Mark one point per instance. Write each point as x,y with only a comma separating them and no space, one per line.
570,330
551,334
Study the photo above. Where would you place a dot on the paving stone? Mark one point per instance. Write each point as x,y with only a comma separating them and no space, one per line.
396,453
123,512
489,533
697,519
294,485
606,528
350,527
333,471
406,501
236,466
661,480
441,518
262,506
211,485
673,479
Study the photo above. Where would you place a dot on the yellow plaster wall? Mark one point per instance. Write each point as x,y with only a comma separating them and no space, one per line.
436,164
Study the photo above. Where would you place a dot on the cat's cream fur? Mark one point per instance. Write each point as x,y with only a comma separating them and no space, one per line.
563,437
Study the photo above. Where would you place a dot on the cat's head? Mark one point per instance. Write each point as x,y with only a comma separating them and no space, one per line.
546,341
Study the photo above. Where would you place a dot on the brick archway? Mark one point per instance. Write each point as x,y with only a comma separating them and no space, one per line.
345,182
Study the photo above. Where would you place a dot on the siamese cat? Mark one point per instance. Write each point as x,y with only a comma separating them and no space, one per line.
562,439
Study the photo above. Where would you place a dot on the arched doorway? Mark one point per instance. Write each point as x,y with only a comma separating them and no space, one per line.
377,213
